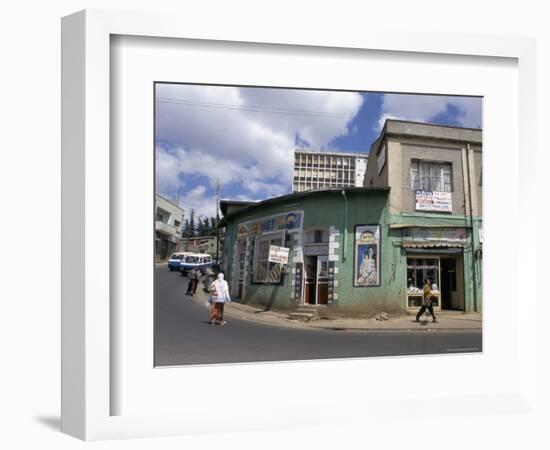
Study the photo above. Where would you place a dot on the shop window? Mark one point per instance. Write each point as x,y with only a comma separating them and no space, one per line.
431,176
418,269
263,270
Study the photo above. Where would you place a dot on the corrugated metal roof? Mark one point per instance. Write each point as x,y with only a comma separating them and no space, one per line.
297,195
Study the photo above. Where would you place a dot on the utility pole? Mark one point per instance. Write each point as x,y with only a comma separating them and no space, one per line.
217,222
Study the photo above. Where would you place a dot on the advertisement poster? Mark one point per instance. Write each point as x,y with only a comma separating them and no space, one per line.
291,221
367,256
278,254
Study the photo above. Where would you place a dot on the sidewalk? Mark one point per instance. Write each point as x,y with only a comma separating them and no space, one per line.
447,320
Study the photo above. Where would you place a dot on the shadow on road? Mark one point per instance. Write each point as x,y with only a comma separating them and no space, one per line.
52,422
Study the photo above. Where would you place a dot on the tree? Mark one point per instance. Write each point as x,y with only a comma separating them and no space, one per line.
201,228
185,229
206,226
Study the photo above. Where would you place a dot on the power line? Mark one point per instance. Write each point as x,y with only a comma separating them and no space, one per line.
252,108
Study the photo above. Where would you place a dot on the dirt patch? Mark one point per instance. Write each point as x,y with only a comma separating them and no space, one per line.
360,311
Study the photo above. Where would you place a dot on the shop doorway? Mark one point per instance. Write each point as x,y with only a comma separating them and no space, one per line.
322,280
310,292
316,280
452,292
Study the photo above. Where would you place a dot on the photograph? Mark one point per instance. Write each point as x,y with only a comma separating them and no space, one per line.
296,224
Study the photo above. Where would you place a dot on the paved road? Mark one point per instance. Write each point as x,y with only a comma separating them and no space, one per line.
184,336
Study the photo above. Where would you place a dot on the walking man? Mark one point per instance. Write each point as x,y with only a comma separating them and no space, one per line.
219,296
427,302
193,277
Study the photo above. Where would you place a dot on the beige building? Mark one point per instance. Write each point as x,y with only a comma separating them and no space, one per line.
168,223
434,207
320,170
411,157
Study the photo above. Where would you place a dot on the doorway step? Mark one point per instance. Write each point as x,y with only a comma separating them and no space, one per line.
304,313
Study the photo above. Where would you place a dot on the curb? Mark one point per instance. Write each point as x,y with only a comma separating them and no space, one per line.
384,330
305,326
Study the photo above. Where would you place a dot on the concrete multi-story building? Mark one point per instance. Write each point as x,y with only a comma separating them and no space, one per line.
320,170
168,223
434,206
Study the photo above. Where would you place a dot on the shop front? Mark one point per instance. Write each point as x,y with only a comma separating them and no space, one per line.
436,254
334,246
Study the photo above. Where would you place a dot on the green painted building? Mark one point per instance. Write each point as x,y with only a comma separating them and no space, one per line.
318,227
418,216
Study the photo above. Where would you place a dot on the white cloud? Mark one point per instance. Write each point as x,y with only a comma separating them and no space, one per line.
167,170
197,199
424,108
244,135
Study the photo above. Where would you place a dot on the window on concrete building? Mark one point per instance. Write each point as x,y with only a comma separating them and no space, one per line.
431,176
163,215
318,238
265,271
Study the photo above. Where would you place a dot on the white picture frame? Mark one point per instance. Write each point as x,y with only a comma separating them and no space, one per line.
87,315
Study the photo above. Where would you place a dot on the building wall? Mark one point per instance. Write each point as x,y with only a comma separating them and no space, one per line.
327,211
372,177
360,171
407,140
168,230
477,181
426,152
327,173
176,213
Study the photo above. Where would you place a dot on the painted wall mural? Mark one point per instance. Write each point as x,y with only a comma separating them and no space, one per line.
367,256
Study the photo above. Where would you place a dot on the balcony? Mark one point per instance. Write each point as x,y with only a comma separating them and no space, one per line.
164,228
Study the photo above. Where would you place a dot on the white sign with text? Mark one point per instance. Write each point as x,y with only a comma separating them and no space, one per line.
278,254
434,201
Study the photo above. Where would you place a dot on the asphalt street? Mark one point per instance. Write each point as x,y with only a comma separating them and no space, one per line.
184,336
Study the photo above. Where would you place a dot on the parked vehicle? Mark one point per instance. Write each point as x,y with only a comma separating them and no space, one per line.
175,259
199,261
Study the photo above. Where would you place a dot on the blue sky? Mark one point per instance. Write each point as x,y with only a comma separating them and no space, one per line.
246,136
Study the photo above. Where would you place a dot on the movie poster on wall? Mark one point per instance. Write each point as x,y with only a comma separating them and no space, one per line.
367,256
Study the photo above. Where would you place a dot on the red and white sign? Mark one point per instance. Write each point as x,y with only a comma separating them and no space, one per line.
278,254
434,201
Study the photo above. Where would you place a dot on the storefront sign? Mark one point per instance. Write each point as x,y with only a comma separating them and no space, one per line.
367,256
278,254
421,266
426,234
316,250
434,201
288,221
